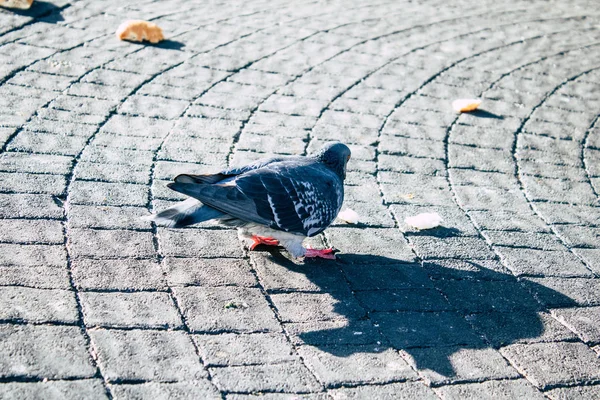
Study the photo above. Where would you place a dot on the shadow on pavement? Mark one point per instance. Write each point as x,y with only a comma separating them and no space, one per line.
485,114
40,9
429,311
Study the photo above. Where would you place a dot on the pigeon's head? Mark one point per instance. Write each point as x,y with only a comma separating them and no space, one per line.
335,155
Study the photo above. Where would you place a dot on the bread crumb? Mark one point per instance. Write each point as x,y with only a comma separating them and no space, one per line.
348,216
138,31
466,105
20,4
424,221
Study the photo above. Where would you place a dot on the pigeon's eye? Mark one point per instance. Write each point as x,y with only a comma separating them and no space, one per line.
348,159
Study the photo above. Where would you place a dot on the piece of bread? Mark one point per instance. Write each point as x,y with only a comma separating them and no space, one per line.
138,31
20,4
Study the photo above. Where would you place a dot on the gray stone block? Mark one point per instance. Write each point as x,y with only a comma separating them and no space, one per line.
146,355
69,390
31,231
542,263
351,365
584,321
110,194
123,274
200,243
283,377
110,243
53,352
229,309
551,364
32,255
446,365
130,310
208,272
492,390
196,389
38,305
229,349
417,329
303,307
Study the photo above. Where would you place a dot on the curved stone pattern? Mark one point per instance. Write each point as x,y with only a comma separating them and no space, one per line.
502,301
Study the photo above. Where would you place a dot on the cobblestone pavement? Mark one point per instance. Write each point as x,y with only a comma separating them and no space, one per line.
501,302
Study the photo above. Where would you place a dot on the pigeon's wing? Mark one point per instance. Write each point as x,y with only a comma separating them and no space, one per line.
228,173
302,199
297,198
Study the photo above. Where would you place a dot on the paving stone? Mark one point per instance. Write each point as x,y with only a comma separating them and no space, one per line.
565,292
108,217
284,275
401,391
444,365
335,366
500,220
153,107
481,159
539,241
284,377
197,389
302,307
15,182
336,332
121,274
550,364
557,213
388,244
32,255
386,276
109,194
508,389
36,163
546,189
38,305
221,309
542,263
474,198
278,396
579,236
403,300
47,143
31,231
130,310
110,243
574,393
53,352
87,388
417,329
147,355
581,320
208,272
519,326
591,258
200,243
485,296
232,349
451,247
486,270
471,177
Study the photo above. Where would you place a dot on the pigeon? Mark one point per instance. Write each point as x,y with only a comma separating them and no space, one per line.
274,201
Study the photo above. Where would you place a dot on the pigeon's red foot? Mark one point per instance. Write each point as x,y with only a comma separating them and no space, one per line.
328,254
269,241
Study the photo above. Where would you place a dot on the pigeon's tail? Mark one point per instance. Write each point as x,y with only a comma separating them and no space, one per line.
188,212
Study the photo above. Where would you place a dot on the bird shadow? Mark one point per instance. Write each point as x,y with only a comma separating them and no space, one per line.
46,11
429,310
